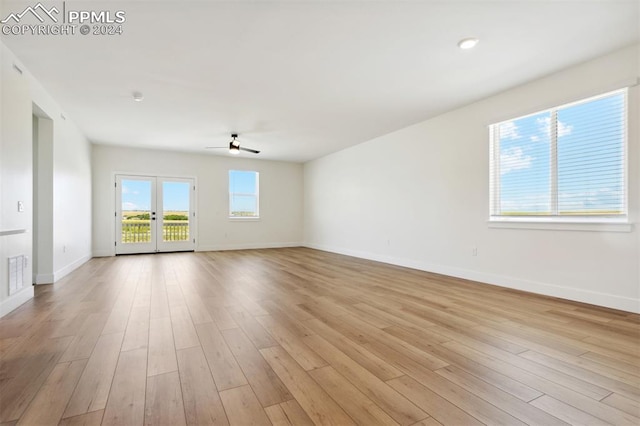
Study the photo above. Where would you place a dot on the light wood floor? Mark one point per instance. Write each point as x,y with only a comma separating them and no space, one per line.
298,336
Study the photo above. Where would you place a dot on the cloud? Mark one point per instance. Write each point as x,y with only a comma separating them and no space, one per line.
563,129
126,190
514,159
527,203
509,130
591,199
129,206
545,127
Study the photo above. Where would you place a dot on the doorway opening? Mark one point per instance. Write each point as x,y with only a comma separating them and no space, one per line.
154,214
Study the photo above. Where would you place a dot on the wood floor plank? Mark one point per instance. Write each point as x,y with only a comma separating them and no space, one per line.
322,409
575,399
432,403
222,318
159,307
92,390
242,407
164,404
355,403
572,382
117,321
504,401
627,386
126,401
428,422
162,352
381,343
136,335
566,412
184,332
197,309
93,418
393,403
611,362
265,382
382,370
288,413
256,332
224,367
16,392
291,343
202,403
86,339
631,406
52,398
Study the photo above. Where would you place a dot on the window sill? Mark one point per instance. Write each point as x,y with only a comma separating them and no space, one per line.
561,225
244,219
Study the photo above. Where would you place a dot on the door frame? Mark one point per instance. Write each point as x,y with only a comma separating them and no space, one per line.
114,199
161,245
134,248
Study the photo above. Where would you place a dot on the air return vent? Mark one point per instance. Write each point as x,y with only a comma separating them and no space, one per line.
17,273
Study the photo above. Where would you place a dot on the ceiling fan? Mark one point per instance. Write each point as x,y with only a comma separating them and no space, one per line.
234,146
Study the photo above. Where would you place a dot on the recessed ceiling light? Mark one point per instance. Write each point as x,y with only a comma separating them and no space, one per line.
468,43
138,97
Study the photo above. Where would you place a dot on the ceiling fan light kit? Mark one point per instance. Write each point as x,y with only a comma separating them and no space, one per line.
234,146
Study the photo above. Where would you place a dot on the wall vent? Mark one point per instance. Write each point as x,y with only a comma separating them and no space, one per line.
17,273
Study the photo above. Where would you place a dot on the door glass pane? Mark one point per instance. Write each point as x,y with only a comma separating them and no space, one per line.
136,211
175,211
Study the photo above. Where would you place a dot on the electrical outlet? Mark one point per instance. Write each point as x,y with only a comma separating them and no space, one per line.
474,251
64,249
20,206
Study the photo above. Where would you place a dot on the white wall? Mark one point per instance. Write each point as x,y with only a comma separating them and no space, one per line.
43,229
71,179
15,175
281,185
72,197
419,197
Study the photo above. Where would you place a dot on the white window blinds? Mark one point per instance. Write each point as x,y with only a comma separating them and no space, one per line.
567,162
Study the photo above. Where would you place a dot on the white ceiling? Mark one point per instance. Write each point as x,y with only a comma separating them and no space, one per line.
299,80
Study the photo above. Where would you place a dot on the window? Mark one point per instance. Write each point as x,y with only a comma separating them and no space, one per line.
243,194
564,164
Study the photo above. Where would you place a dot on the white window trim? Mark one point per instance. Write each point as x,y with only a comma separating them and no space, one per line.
257,195
585,224
619,223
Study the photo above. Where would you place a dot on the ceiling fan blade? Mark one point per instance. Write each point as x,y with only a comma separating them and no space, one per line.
215,147
253,151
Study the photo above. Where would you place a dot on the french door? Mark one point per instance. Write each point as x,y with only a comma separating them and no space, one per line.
154,214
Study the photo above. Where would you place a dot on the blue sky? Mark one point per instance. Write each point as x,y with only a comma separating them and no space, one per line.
136,195
590,153
243,182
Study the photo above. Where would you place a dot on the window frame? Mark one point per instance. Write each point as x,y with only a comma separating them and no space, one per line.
554,220
256,195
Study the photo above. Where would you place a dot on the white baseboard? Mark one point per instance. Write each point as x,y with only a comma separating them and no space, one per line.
622,303
16,300
66,270
104,253
44,278
218,247
248,246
